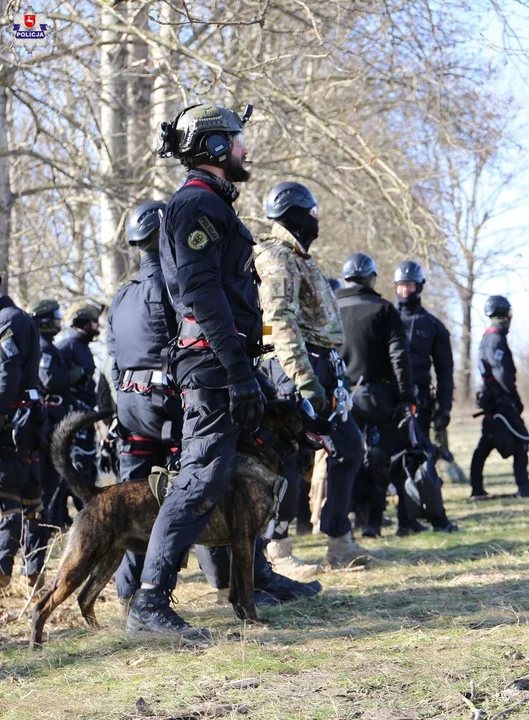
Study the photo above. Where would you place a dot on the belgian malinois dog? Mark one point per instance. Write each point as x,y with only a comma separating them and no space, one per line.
120,517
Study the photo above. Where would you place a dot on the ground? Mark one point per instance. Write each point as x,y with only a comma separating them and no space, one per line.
437,629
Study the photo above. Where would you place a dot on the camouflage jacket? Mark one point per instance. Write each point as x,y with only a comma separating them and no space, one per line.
297,302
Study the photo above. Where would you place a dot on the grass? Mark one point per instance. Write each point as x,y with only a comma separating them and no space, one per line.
437,618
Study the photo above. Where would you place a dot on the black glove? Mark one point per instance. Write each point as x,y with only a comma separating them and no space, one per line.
266,385
314,392
441,419
106,464
247,404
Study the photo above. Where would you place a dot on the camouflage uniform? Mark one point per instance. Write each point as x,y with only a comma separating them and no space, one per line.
302,311
297,302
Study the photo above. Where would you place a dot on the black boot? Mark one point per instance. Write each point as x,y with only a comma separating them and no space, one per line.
283,589
150,612
444,526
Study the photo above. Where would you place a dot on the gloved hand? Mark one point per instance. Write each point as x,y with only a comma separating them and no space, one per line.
266,385
247,404
441,419
314,392
106,464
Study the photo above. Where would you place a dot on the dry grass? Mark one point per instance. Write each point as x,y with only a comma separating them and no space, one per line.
439,617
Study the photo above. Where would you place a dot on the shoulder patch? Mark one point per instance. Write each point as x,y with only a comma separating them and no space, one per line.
197,240
278,288
208,227
8,345
46,361
498,355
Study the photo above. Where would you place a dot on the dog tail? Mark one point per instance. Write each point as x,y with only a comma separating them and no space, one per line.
61,446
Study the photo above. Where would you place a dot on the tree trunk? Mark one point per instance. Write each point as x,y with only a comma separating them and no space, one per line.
113,153
466,349
139,136
6,196
164,106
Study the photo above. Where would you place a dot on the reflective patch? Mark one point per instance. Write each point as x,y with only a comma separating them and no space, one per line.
46,361
498,355
8,345
208,227
197,240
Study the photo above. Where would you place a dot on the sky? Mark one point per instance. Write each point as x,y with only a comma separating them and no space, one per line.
515,282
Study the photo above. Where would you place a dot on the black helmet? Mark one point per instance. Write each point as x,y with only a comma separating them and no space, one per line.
201,134
46,314
143,221
497,306
409,271
334,283
286,195
359,266
83,311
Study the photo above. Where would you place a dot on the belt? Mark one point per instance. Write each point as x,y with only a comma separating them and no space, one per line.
31,396
147,378
318,350
191,336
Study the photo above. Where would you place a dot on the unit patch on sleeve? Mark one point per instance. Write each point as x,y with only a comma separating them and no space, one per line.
498,355
8,346
46,361
197,240
278,288
208,227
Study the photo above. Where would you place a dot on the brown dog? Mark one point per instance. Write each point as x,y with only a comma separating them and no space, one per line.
120,517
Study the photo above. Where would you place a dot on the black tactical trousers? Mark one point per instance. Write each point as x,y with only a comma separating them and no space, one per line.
209,441
35,534
135,465
487,444
18,496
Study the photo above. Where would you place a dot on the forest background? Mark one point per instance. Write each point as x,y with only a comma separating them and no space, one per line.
406,118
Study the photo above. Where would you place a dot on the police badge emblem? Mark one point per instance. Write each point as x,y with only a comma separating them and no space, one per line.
29,30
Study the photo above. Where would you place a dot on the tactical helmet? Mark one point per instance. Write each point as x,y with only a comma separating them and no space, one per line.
143,221
286,195
202,134
409,271
359,266
83,311
497,306
46,314
334,283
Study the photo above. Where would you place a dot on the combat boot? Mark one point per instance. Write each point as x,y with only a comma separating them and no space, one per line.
150,612
283,562
269,583
343,551
446,527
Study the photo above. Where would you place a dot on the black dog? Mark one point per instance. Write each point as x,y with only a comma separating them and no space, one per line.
120,517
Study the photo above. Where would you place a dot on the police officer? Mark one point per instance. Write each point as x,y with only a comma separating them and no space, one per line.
301,308
141,322
429,342
74,344
503,427
54,386
377,357
206,254
19,362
